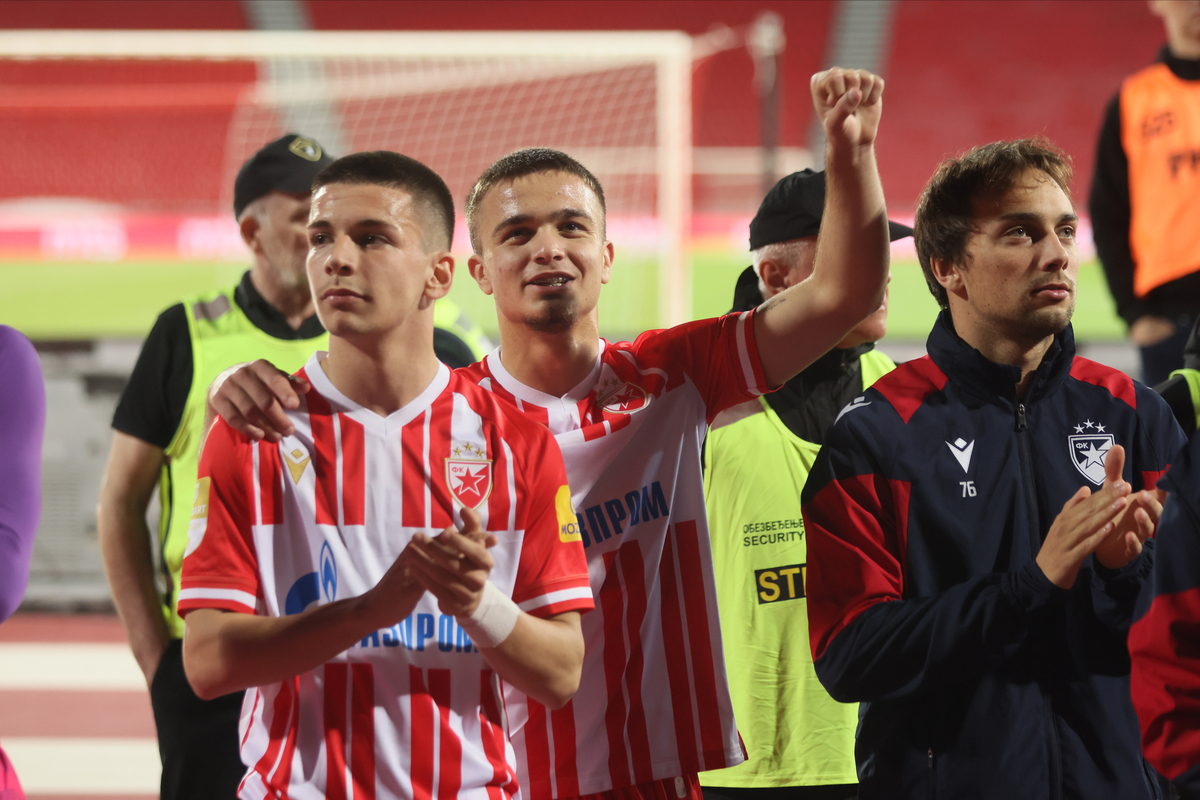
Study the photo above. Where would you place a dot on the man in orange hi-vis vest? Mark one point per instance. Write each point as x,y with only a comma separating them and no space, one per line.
1145,192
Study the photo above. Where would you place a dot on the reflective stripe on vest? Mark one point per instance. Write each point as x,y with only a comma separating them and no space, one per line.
1160,132
221,336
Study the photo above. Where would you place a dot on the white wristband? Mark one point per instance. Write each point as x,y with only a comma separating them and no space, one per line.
493,619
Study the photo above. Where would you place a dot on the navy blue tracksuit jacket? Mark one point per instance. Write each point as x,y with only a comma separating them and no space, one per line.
924,512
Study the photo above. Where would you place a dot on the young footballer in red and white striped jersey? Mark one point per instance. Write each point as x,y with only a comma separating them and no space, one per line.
315,572
653,707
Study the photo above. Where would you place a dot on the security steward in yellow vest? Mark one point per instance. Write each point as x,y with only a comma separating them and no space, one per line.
756,459
1182,389
1145,194
158,427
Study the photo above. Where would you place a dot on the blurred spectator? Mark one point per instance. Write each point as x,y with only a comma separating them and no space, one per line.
1145,192
1182,389
22,423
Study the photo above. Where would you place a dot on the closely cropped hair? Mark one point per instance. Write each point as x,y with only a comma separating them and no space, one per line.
946,212
518,164
385,168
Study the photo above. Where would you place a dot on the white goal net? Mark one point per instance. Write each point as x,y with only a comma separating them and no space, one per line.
134,120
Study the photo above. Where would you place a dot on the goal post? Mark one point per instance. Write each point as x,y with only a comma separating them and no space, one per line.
104,102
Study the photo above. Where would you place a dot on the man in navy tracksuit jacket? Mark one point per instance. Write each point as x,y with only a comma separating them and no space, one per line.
975,550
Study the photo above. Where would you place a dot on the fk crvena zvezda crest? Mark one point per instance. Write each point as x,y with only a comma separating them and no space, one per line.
470,480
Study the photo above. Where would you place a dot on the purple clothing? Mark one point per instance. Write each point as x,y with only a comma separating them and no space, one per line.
22,422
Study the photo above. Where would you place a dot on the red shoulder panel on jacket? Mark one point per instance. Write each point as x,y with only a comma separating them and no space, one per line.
1119,384
907,386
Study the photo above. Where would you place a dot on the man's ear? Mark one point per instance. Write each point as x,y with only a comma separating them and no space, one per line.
250,227
606,269
441,277
773,274
479,272
949,275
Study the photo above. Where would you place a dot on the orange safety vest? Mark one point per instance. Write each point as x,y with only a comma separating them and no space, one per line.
1160,131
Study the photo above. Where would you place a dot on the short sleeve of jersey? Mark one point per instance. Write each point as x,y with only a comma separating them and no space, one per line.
151,406
719,355
552,574
220,566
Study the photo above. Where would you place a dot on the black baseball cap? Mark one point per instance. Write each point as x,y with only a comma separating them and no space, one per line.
287,164
793,208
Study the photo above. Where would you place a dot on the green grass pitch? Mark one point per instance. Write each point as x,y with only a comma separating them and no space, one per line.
59,301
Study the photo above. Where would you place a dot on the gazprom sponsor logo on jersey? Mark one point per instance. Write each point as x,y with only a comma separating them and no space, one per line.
421,632
604,520
199,521
329,573
568,527
304,592
776,584
308,588
1088,451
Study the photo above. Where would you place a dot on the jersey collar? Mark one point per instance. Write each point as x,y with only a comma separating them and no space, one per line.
384,426
527,394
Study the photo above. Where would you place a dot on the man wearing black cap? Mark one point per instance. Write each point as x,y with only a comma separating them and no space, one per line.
158,426
757,456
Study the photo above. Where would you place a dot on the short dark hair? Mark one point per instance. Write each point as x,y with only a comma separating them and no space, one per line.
518,164
946,213
385,168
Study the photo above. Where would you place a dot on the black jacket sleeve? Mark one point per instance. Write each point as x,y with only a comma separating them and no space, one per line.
1110,209
151,407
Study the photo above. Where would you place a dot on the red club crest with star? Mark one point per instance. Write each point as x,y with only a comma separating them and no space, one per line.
469,476
622,397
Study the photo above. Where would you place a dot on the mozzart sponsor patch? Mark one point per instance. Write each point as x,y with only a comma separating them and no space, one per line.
568,525
776,584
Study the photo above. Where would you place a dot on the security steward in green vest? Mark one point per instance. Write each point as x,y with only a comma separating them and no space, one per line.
1182,389
158,428
756,459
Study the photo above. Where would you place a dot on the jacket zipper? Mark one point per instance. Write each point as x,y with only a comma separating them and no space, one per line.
1031,499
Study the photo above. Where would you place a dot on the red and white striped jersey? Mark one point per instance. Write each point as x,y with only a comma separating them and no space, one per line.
653,701
412,711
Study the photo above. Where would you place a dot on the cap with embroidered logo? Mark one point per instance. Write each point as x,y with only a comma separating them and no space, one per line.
287,164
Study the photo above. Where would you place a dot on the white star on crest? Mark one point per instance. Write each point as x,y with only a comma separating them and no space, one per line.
1094,456
1088,423
1099,428
1079,429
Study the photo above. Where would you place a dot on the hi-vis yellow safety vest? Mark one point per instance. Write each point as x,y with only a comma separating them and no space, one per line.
795,733
1160,133
221,336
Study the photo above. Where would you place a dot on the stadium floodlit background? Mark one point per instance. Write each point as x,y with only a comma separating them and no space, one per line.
117,168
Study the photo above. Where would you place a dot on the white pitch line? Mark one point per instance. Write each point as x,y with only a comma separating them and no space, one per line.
92,766
68,665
